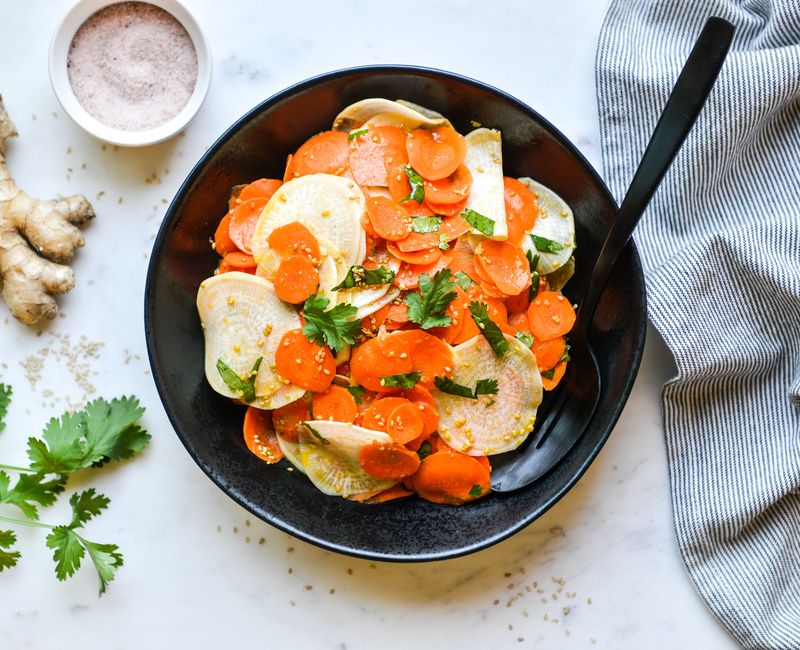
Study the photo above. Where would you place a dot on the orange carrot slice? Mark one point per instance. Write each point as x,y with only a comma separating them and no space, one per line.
505,264
419,394
368,151
519,302
244,218
336,403
369,363
395,161
376,417
436,153
418,258
294,239
451,478
389,461
389,220
297,278
304,363
263,188
223,243
325,153
418,209
430,418
394,492
286,418
550,315
550,352
452,189
460,258
429,354
558,374
405,423
521,206
259,435
519,321
447,209
237,262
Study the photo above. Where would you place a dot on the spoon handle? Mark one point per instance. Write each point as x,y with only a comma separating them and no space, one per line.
679,115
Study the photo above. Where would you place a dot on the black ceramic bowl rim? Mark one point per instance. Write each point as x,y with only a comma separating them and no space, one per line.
166,228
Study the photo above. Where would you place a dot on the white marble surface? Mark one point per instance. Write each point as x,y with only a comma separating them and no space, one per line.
197,573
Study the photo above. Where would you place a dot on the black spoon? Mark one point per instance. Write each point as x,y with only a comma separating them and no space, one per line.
574,405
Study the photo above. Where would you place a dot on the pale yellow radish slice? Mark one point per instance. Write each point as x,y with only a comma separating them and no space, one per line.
291,450
362,296
329,453
243,320
485,162
377,111
374,306
330,206
555,222
491,424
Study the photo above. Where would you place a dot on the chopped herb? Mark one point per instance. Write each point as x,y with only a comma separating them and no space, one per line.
244,388
482,387
475,123
317,434
334,327
475,491
357,392
490,402
463,280
417,185
5,400
426,224
427,307
424,450
444,243
358,276
525,338
491,332
545,245
407,380
566,356
533,263
357,134
478,221
548,374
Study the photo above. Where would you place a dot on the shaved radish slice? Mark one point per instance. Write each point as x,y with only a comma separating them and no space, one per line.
485,163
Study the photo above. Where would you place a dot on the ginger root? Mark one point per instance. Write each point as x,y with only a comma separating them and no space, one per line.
37,238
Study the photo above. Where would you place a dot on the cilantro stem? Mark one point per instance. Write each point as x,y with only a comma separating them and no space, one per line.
14,468
26,522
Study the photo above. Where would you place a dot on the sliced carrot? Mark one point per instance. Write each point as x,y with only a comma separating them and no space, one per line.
429,354
376,417
550,315
469,330
294,239
484,461
452,189
259,435
287,172
387,460
223,243
436,153
325,153
368,151
430,418
417,258
447,209
405,423
398,313
519,321
236,190
419,209
558,374
490,289
499,314
304,363
460,258
454,226
458,311
369,363
244,218
297,278
286,418
419,394
389,220
521,205
336,403
395,161
519,302
394,492
451,478
550,352
237,262
372,322
505,264
263,188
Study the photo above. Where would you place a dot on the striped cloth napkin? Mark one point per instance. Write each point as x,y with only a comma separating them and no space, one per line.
721,250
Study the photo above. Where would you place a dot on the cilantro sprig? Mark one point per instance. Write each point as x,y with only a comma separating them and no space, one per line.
405,380
490,330
244,387
417,183
478,221
427,307
426,224
358,276
333,327
545,245
103,431
482,387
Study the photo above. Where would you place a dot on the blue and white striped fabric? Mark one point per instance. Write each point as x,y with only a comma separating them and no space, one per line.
721,250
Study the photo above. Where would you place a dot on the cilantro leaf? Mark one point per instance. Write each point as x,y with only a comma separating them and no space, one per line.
334,327
525,338
548,374
5,400
478,221
407,380
356,134
533,263
545,245
244,388
426,224
85,505
424,450
463,280
475,491
485,387
491,332
106,559
417,185
427,307
68,551
8,558
357,392
29,491
447,385
358,276
63,449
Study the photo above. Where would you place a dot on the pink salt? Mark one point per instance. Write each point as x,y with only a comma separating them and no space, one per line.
132,66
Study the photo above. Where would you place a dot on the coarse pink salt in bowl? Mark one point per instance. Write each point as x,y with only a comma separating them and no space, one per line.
130,73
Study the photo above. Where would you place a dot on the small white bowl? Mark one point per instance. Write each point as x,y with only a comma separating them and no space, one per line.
59,52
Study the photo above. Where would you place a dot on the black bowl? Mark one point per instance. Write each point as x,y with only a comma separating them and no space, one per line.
210,426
